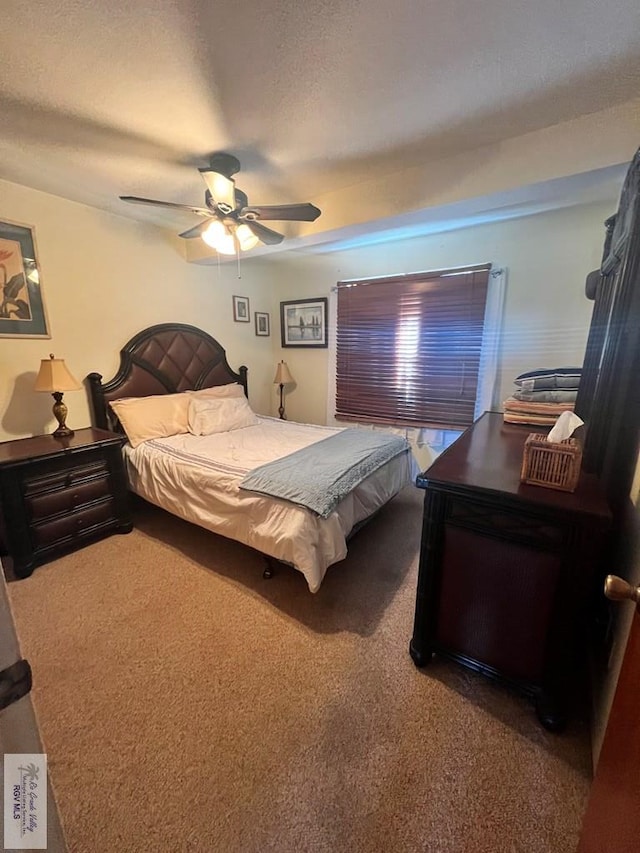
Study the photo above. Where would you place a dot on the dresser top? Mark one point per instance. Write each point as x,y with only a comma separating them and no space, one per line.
488,456
41,446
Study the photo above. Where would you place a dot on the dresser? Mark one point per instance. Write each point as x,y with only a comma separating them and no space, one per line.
59,494
507,572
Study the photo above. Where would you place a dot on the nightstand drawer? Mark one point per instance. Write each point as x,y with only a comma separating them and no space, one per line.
51,532
64,478
67,499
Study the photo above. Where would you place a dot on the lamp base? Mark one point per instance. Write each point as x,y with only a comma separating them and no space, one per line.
281,406
60,412
63,432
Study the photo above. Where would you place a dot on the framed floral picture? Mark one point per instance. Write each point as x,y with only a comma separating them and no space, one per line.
22,310
261,319
241,309
303,323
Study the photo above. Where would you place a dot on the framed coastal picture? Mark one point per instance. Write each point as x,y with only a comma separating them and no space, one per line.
303,323
22,310
261,319
241,309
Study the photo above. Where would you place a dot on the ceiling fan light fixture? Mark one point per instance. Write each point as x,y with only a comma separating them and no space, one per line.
222,189
213,232
226,245
246,238
218,236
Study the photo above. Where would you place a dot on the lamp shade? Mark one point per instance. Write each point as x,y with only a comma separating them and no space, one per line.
213,232
219,237
246,237
54,376
283,375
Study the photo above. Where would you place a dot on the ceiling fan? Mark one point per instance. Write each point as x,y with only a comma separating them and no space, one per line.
230,222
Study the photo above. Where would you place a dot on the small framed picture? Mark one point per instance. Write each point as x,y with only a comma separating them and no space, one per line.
303,323
241,309
262,323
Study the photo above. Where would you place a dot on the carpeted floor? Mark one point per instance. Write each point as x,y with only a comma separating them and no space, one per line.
187,704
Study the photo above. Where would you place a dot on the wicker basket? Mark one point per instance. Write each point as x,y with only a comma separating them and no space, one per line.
550,464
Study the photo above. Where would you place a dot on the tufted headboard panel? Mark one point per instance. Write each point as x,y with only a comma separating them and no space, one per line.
165,359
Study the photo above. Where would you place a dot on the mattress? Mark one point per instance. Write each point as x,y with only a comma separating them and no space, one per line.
198,478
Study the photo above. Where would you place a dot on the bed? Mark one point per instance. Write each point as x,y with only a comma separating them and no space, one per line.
207,478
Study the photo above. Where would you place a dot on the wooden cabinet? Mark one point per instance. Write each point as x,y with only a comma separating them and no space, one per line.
507,570
59,494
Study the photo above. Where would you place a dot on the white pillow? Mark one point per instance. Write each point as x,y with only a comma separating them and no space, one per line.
230,390
157,416
207,416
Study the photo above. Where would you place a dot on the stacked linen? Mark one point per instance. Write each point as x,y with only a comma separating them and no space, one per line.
537,414
542,395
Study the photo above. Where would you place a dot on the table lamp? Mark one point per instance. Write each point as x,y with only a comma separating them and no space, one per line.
54,377
283,377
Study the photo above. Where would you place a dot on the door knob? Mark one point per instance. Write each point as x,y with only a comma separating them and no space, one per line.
619,590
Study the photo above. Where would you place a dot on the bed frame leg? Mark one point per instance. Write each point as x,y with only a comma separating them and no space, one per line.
270,568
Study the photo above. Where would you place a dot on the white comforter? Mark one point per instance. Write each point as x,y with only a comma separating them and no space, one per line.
197,478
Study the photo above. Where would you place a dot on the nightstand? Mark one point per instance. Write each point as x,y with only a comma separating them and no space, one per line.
59,494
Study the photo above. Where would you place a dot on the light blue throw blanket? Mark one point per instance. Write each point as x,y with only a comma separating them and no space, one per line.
321,475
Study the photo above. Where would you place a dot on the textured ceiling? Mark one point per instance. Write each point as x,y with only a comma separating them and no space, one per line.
98,100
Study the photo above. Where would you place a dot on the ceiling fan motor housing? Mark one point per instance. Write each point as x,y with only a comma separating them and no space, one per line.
223,163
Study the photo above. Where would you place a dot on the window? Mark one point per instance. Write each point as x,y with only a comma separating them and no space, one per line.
408,347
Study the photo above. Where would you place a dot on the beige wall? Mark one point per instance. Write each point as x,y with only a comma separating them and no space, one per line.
104,278
546,316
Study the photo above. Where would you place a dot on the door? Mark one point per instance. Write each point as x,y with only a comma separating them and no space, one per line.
612,819
19,736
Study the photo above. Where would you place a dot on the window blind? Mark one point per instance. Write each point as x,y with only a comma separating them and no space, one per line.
408,347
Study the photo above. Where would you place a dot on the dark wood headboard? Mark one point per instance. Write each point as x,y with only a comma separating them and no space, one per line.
165,359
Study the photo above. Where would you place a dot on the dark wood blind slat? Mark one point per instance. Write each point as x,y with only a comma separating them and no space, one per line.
408,347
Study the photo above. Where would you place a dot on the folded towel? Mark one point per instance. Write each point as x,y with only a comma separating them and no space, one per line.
534,420
532,408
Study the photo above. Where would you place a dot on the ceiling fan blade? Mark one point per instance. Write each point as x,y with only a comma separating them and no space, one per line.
197,230
294,212
266,235
201,211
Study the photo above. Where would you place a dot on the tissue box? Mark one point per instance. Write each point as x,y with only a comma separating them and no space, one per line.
551,464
